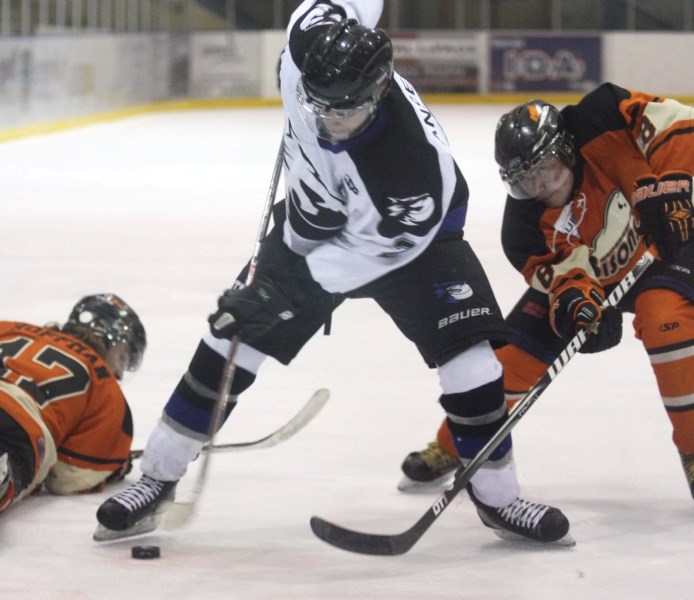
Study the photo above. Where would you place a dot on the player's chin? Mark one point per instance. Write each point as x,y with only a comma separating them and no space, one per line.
555,199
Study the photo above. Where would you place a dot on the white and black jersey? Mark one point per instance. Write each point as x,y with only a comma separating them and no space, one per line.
362,208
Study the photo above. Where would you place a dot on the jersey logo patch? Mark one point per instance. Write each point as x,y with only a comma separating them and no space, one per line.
616,243
415,215
313,210
453,292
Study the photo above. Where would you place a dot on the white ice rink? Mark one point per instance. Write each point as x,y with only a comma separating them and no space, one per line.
163,210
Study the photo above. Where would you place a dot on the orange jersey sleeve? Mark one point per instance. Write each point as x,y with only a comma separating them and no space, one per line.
662,130
80,402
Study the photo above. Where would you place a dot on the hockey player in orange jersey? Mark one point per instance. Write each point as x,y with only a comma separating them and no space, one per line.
64,422
587,185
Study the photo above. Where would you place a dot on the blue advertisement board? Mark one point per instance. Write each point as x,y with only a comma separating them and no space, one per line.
545,63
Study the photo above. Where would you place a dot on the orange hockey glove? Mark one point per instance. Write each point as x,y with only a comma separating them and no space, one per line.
576,304
664,205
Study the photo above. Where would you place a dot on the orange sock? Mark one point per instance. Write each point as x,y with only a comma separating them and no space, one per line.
665,324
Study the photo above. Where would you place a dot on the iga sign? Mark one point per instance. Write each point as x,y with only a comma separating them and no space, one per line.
545,63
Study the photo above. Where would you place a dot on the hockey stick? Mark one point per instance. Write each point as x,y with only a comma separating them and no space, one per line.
391,545
288,430
180,513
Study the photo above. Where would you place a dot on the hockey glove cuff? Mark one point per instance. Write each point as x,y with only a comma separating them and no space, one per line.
664,206
580,307
250,312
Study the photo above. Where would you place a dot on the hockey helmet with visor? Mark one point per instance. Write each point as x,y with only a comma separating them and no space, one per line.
344,76
534,151
109,318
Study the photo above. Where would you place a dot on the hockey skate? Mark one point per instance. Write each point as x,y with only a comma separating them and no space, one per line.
428,470
525,521
688,464
134,511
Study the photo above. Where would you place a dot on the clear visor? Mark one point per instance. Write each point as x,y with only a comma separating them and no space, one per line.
334,124
540,180
135,359
121,334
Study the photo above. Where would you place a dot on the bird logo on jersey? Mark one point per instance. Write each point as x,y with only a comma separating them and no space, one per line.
311,205
453,292
415,215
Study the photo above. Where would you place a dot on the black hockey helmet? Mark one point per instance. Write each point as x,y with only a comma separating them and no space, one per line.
348,66
109,318
526,135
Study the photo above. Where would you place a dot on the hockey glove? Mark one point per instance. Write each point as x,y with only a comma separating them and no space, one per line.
250,312
574,309
664,205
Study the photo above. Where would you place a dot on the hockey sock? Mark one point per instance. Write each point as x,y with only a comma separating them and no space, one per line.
665,323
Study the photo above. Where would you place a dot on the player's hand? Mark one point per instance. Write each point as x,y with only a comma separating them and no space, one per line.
250,312
664,205
575,308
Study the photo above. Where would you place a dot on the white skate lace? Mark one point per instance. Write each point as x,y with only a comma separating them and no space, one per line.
140,494
4,474
4,469
523,513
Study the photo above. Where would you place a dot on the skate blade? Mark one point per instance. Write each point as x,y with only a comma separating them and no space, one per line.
566,542
146,525
435,486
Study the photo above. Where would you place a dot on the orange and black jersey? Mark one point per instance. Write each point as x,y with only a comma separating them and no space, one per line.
620,136
80,402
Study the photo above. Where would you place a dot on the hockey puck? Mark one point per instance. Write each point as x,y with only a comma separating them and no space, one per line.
145,552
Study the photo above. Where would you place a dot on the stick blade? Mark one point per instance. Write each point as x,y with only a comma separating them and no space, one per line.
359,542
307,413
177,515
303,417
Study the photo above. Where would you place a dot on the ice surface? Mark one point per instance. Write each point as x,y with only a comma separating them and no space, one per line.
163,209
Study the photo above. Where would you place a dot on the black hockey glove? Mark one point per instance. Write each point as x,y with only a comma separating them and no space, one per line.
574,309
664,205
250,312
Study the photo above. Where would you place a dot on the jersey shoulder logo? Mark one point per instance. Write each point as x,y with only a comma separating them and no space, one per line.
319,15
413,210
415,215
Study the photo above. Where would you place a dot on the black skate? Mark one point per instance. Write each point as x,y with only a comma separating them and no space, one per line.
523,520
428,470
688,464
134,511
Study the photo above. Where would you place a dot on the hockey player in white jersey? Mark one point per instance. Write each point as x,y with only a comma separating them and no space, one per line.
375,206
